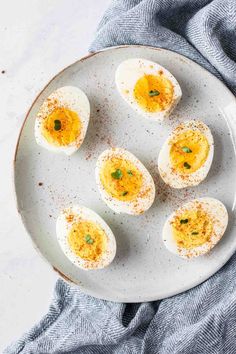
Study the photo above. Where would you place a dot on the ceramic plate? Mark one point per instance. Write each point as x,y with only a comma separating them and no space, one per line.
45,183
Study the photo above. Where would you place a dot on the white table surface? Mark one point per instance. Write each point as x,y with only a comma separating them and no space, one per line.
37,39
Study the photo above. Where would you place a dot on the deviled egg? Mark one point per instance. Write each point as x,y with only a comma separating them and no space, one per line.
195,228
85,238
186,156
148,88
125,184
62,120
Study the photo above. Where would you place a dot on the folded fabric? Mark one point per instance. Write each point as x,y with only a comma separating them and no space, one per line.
201,320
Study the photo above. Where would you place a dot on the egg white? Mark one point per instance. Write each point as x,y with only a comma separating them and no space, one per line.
178,180
219,216
63,227
71,98
130,71
142,202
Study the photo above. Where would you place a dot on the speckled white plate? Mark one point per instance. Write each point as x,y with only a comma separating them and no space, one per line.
143,269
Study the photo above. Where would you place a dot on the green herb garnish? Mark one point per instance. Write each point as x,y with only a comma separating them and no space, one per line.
117,174
187,166
195,233
125,193
57,124
153,93
130,172
186,149
183,221
89,239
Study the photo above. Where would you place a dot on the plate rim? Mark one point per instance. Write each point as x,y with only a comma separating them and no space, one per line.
53,268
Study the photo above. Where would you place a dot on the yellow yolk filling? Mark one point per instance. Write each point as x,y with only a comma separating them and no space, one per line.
189,151
64,132
144,88
87,240
121,179
191,229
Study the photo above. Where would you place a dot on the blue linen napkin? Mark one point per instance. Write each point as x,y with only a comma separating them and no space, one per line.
201,320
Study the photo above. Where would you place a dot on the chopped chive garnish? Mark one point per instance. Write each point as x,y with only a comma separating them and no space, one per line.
186,165
117,174
153,93
124,193
183,221
57,124
130,172
195,233
186,149
89,239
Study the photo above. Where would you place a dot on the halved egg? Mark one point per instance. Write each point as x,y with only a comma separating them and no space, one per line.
148,88
62,120
85,238
195,228
125,184
186,156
